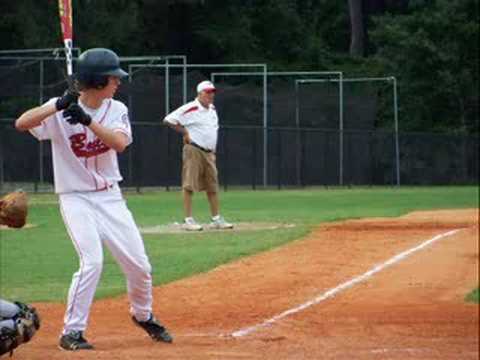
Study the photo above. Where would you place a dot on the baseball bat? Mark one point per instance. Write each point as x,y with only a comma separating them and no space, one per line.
65,9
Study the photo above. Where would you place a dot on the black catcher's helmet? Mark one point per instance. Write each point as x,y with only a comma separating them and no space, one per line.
94,66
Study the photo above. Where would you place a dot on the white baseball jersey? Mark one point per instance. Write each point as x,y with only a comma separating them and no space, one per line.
201,123
81,161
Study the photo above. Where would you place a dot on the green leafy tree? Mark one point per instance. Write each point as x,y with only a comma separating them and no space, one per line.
431,46
27,24
433,51
225,29
111,24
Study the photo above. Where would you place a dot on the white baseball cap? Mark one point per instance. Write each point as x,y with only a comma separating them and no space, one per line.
206,86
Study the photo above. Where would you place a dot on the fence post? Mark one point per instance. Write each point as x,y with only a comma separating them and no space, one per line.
279,153
169,160
340,91
302,159
130,165
167,87
40,143
297,137
397,145
138,178
265,127
254,159
225,159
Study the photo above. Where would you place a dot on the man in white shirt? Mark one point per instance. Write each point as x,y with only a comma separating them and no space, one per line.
197,121
86,131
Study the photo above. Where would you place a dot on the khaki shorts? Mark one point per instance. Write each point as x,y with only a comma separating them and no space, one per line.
199,170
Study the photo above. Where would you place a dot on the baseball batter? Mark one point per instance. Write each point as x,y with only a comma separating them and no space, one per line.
87,130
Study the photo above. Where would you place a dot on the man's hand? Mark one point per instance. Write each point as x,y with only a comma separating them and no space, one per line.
70,96
186,137
75,115
182,130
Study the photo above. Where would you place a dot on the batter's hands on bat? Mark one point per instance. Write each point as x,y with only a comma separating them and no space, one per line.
74,114
70,96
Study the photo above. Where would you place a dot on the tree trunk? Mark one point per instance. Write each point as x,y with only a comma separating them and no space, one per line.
357,40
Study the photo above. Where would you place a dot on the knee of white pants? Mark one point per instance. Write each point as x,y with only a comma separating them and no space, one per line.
145,268
93,267
142,269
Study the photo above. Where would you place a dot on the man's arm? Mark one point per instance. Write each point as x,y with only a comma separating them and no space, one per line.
116,140
34,117
180,129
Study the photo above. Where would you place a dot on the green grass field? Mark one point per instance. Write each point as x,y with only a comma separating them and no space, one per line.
37,263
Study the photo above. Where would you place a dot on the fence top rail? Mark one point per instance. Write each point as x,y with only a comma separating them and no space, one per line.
122,58
364,79
277,73
38,58
153,58
197,65
28,51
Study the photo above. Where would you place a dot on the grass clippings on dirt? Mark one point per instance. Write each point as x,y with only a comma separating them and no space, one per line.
474,296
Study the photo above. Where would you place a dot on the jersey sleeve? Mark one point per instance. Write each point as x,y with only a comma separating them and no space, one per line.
175,117
121,122
44,131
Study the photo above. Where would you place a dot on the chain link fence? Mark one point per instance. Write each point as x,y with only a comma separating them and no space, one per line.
154,159
273,132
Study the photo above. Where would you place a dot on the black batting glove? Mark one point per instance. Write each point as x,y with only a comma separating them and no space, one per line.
70,96
75,115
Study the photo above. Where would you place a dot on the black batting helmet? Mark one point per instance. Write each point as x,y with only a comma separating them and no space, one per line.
94,66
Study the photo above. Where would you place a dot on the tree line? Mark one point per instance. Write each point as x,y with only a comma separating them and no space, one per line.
431,46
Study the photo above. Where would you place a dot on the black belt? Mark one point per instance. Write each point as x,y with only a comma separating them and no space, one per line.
199,147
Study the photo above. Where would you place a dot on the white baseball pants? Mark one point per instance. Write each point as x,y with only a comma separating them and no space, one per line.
93,219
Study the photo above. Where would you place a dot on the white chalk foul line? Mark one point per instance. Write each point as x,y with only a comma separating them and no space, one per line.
332,292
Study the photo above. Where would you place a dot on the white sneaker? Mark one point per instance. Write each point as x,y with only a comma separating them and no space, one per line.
220,223
191,225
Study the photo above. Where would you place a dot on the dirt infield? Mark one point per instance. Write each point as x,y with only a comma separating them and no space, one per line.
411,309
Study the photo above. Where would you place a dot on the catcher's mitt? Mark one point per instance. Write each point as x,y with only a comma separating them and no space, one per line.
27,322
14,209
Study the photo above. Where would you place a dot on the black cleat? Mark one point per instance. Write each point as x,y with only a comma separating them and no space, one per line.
73,341
154,329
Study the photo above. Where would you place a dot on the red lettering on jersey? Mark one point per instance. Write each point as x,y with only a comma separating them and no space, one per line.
81,148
